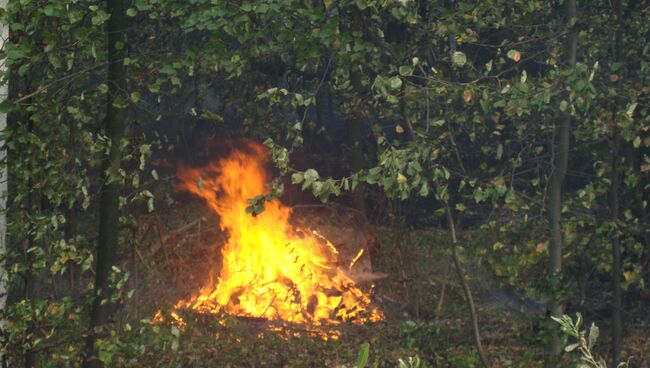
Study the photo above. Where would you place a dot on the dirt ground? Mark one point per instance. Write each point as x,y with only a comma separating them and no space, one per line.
425,311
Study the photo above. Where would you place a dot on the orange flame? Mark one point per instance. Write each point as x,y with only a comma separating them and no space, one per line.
271,269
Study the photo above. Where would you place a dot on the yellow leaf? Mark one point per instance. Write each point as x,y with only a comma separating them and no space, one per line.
399,129
401,178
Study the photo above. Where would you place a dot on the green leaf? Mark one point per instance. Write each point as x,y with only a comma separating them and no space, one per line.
106,356
131,12
570,348
100,18
563,105
135,97
593,335
311,175
630,110
459,59
168,69
424,190
296,178
362,359
48,10
6,106
346,184
317,188
119,102
103,88
395,82
438,123
405,70
175,331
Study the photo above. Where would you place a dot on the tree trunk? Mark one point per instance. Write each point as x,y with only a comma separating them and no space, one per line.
4,91
560,162
616,260
107,241
617,323
452,225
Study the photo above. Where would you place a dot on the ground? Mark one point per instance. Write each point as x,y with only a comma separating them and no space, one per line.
177,250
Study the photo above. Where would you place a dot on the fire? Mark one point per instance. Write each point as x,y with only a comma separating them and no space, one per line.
270,268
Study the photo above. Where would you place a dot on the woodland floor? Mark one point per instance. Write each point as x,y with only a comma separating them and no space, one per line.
173,262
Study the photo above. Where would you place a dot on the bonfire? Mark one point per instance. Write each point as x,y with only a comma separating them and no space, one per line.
270,269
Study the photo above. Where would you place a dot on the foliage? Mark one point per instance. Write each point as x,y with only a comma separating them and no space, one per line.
457,101
585,341
362,360
410,362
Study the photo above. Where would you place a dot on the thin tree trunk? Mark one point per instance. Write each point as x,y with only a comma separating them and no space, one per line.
617,323
30,279
107,241
4,91
466,289
639,197
452,227
560,163
443,289
616,260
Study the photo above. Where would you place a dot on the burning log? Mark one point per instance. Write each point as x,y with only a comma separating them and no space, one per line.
312,304
346,229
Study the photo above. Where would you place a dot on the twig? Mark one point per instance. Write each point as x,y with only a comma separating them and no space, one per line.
45,88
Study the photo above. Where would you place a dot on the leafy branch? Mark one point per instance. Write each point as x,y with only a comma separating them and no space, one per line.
585,342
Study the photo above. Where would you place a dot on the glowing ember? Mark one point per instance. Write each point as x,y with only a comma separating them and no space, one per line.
271,269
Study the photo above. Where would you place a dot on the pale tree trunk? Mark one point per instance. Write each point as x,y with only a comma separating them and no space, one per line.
560,149
4,91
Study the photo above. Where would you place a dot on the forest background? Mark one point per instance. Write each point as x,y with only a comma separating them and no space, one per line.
507,138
